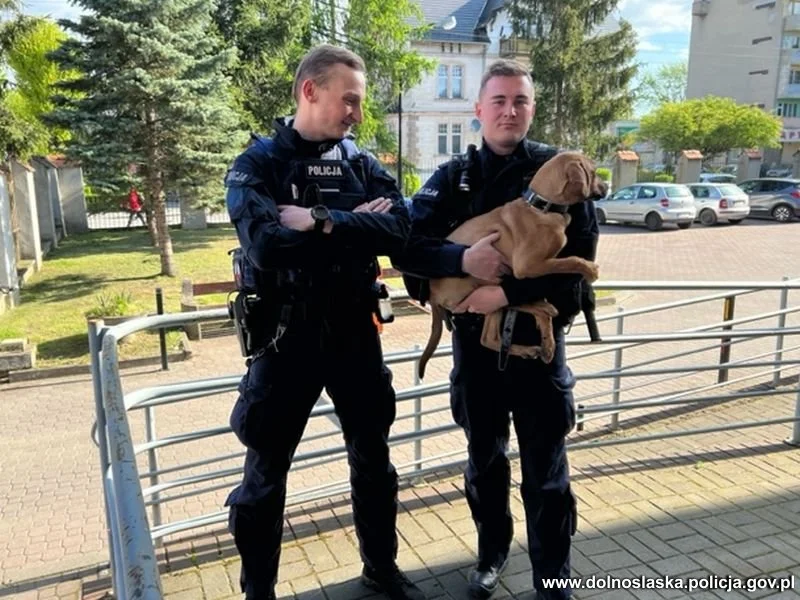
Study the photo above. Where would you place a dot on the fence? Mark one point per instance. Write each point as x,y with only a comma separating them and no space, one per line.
716,363
121,219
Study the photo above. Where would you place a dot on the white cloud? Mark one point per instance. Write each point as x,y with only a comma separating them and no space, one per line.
645,46
54,9
652,18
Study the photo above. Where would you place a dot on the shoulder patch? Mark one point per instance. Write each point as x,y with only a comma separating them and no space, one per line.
427,191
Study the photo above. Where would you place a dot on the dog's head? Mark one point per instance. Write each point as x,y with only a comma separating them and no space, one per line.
569,178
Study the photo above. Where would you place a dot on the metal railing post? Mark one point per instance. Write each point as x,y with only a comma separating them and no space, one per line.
95,329
728,309
776,377
162,333
795,439
152,463
617,384
417,415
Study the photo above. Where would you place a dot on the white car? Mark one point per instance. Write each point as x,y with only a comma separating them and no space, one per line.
720,202
653,204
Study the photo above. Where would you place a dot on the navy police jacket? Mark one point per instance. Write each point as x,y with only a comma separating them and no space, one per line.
438,208
277,170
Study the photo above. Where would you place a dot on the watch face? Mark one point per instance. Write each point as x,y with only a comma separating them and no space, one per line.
320,213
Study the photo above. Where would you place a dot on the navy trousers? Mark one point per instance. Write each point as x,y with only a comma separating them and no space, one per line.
343,355
539,399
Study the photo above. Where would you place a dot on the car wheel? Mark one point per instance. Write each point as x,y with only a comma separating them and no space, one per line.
734,221
601,217
653,221
684,225
708,217
782,213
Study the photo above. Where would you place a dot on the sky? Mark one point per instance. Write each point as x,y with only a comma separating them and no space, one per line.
663,28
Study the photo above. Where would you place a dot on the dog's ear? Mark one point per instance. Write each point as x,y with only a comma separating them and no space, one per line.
578,186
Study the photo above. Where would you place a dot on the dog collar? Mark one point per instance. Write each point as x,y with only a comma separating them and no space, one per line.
543,203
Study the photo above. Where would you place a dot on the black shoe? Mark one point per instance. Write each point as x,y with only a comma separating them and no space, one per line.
484,581
391,582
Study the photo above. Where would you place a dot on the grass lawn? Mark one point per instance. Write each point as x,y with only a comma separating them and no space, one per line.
85,267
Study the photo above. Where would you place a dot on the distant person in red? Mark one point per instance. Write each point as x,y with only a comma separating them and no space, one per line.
135,207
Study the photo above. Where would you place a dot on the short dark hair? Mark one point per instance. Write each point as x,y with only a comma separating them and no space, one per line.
504,68
318,61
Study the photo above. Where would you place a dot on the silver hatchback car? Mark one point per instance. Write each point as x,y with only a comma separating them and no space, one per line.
778,198
650,203
720,202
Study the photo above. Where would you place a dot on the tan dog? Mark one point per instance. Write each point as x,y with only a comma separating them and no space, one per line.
530,239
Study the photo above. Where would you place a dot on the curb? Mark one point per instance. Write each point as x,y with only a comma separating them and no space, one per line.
36,374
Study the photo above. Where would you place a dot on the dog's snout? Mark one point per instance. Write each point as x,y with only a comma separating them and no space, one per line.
602,188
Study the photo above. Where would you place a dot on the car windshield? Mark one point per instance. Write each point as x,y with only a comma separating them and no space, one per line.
730,190
678,191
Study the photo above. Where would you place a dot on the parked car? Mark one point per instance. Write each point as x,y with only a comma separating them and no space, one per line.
778,198
650,203
720,201
717,178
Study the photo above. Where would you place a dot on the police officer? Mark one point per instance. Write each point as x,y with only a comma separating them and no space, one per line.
485,391
311,213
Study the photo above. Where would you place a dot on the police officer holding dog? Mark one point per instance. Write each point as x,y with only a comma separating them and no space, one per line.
484,390
311,213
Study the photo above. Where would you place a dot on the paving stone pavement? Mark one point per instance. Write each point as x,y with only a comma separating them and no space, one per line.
636,500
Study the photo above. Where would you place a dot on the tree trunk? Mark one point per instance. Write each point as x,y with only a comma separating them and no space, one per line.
155,181
152,228
164,240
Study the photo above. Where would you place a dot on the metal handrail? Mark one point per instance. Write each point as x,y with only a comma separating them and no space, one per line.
131,538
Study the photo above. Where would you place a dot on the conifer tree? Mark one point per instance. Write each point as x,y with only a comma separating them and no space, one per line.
154,108
581,71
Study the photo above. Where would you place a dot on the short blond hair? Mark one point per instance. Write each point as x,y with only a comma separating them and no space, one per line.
504,68
318,61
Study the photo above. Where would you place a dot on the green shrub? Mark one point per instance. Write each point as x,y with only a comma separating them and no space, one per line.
664,178
117,304
604,173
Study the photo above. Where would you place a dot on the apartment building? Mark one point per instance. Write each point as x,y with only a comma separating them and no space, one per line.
749,50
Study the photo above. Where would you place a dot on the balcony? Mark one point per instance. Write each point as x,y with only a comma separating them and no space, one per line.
791,23
791,90
516,48
700,7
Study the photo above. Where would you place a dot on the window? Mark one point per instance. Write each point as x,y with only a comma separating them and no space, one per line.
678,191
456,85
794,76
456,141
442,139
441,82
647,192
791,41
788,109
625,194
450,81
794,8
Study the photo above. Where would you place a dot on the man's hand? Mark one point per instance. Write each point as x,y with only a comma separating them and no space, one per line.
482,260
296,217
484,300
379,205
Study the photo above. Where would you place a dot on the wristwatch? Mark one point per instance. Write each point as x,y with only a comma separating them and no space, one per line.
320,214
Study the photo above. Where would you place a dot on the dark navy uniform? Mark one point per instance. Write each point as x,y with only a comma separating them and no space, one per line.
319,287
538,396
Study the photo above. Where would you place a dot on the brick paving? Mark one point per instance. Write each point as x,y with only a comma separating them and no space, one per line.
721,503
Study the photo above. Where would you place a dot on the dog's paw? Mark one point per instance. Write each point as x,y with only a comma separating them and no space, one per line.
548,350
